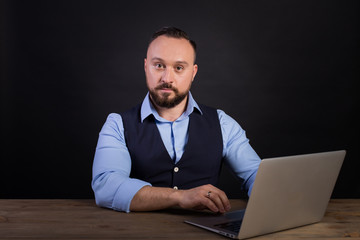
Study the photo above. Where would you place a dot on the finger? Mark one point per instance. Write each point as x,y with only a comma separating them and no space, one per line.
215,197
208,203
220,199
225,201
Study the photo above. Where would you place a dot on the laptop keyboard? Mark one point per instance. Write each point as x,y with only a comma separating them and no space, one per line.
231,226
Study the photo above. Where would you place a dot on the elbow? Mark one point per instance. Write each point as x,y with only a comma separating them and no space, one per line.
100,200
102,196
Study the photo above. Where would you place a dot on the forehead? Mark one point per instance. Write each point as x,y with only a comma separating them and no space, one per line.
171,49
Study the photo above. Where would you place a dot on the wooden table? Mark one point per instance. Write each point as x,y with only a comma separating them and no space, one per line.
82,219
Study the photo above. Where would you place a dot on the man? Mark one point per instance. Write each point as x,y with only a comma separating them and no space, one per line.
168,150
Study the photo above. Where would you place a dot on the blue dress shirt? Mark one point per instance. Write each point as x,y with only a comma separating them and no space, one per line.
111,183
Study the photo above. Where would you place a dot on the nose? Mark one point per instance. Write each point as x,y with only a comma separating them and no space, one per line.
167,76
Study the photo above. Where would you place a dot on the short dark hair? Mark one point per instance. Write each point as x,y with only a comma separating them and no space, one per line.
174,33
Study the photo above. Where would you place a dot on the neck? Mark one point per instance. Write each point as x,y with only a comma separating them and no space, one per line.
171,114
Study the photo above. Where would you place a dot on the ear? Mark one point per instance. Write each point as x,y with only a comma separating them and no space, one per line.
145,64
195,69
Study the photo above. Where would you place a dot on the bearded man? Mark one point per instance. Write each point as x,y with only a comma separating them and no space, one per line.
168,150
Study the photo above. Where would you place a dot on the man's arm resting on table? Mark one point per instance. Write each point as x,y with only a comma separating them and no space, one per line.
155,198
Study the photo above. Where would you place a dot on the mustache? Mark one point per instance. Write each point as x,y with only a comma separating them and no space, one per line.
167,86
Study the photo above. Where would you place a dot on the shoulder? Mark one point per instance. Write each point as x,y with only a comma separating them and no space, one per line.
113,123
206,110
114,118
225,119
131,114
222,116
229,126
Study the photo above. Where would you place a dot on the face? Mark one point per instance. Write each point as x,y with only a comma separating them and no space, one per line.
170,70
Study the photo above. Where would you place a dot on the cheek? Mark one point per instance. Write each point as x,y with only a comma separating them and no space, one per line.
152,78
185,81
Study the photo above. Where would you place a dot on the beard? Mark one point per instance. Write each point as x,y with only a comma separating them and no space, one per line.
163,99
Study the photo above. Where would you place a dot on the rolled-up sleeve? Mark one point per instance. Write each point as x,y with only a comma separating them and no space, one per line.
112,186
237,151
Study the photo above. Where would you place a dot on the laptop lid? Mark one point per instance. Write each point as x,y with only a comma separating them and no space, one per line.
291,191
288,192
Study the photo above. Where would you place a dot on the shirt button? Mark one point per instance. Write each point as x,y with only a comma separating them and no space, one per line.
176,169
176,188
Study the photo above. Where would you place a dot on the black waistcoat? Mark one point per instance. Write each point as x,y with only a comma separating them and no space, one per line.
200,163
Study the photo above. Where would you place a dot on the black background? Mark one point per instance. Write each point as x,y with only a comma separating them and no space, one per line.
287,71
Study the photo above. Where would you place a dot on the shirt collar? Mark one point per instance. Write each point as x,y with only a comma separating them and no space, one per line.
148,109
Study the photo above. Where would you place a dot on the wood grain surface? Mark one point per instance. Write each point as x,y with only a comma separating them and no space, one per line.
82,219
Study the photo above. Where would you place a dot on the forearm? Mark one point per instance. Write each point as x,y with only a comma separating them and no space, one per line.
154,198
203,197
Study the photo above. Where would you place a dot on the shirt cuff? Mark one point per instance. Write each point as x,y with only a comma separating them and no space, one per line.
126,192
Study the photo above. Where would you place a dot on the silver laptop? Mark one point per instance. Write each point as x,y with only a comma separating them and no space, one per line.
288,192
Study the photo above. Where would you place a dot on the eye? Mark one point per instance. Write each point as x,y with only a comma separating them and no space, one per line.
159,66
179,68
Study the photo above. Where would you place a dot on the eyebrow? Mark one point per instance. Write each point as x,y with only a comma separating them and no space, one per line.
162,60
